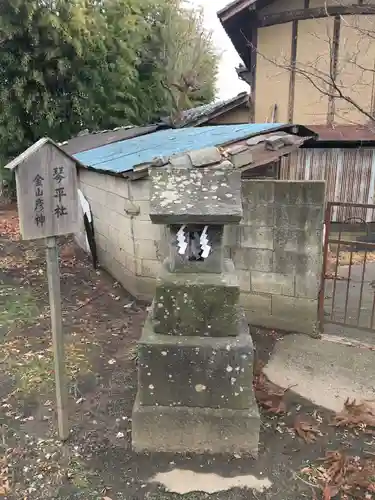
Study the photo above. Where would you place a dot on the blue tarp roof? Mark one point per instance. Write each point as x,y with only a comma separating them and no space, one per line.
124,155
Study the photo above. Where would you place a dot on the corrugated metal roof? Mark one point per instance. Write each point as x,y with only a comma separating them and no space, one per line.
123,156
343,132
91,140
202,114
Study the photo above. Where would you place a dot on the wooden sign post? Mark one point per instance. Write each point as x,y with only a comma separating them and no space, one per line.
47,201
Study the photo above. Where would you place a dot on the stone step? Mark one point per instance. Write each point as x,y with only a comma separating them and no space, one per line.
196,371
195,430
196,303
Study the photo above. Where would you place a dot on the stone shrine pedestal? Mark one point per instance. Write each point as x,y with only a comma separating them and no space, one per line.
195,372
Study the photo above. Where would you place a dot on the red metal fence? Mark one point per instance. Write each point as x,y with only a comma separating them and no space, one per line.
347,295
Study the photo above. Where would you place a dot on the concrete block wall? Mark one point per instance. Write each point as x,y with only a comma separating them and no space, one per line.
126,240
277,248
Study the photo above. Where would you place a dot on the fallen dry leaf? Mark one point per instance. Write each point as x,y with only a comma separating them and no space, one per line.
330,491
268,395
306,430
355,415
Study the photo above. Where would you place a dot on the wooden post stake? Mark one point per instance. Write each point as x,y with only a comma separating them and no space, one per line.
53,274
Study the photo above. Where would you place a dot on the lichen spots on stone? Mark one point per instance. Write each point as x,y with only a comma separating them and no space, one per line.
200,387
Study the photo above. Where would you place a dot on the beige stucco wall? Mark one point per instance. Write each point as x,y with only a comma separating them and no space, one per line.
314,40
272,81
239,115
356,46
313,55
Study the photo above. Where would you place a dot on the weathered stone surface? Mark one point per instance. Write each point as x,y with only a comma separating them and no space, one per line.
300,308
256,192
205,157
308,285
196,371
180,161
256,237
212,264
242,158
198,430
306,217
300,192
298,240
196,304
237,148
160,161
200,196
253,259
273,143
275,283
253,141
258,215
256,305
286,262
288,324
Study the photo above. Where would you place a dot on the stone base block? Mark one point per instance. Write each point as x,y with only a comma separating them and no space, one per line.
196,303
212,372
195,430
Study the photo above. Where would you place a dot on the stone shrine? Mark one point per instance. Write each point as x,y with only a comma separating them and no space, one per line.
195,360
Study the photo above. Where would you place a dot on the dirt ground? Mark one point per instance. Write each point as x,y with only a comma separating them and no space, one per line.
102,324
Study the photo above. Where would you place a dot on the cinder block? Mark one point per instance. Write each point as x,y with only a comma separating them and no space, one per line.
113,236
252,259
88,177
205,157
257,303
274,283
144,230
286,262
126,243
306,217
146,249
308,285
144,211
140,190
115,202
147,268
180,161
128,261
258,192
299,308
256,237
123,223
244,280
118,186
300,192
298,240
100,228
101,242
241,158
308,327
257,215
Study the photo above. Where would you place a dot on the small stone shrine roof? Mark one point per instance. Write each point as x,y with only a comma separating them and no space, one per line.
208,195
